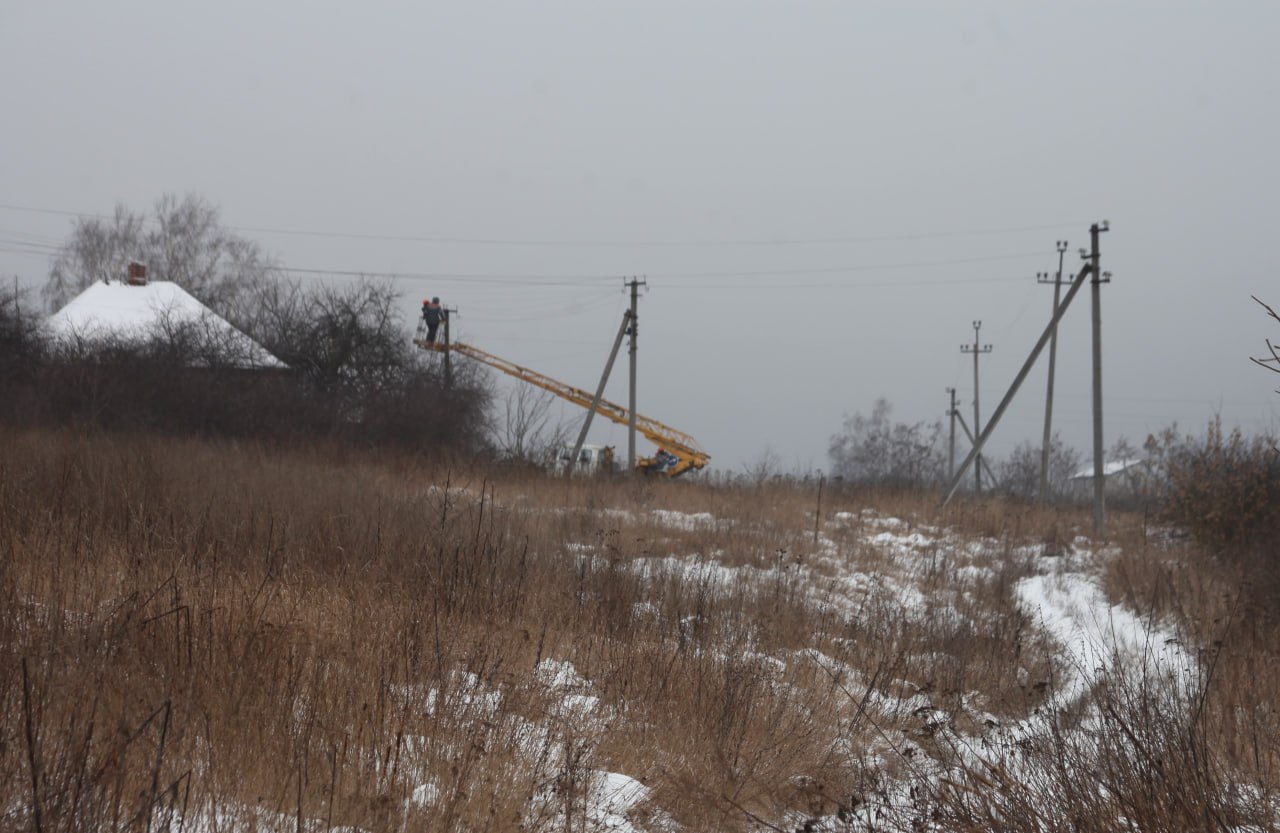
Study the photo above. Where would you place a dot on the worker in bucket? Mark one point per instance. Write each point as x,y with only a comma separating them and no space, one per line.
431,315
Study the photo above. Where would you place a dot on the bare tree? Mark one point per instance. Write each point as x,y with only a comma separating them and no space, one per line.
874,449
765,467
1272,361
97,250
342,338
19,326
182,240
1019,474
527,429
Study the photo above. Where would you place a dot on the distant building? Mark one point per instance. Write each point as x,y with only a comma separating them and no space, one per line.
138,311
1128,479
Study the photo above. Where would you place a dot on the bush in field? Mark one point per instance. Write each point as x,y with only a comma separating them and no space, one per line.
1223,488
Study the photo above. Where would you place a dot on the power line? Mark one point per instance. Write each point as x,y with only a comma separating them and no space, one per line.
25,252
764,242
545,279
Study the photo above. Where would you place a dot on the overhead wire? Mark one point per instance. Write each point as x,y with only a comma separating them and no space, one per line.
522,312
681,280
552,279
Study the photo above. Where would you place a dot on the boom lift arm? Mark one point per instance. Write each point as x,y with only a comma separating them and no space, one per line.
674,443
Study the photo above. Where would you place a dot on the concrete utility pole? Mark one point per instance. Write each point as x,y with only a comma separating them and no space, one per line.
1099,278
951,453
1043,277
447,313
976,349
635,284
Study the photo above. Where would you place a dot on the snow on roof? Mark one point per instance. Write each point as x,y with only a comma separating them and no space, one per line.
136,313
1108,468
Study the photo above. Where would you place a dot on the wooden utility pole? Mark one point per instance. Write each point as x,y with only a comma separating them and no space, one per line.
951,453
1043,277
635,284
1099,477
976,349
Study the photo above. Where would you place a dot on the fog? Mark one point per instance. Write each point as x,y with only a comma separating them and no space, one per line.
820,197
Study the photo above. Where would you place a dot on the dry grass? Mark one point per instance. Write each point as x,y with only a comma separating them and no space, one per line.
325,639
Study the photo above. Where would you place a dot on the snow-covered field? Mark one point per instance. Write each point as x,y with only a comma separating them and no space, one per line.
1062,595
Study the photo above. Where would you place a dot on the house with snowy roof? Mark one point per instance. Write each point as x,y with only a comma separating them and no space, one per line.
1124,479
138,312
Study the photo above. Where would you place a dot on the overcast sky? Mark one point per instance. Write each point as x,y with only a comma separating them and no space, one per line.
822,197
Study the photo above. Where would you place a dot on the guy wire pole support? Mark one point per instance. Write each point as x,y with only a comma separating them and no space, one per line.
1099,278
991,476
976,349
635,284
1043,277
595,402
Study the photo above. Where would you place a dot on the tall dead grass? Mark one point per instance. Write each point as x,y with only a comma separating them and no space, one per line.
319,639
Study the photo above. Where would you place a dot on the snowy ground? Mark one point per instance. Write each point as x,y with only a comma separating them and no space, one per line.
1064,597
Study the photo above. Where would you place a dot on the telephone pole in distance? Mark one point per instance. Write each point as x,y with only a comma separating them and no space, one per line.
951,453
1043,277
635,284
976,349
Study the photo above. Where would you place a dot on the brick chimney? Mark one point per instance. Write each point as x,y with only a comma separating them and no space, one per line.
137,274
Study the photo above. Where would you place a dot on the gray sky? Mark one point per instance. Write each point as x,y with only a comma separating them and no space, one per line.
822,196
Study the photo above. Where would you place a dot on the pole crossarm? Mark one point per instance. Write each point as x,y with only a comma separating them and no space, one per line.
1017,382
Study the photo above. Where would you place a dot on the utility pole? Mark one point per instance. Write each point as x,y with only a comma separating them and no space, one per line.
447,314
635,284
1099,278
1043,277
951,454
976,349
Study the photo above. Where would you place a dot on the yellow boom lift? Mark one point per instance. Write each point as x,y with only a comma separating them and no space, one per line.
677,451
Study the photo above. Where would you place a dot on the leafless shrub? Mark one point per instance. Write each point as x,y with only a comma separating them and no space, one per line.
1146,758
1224,488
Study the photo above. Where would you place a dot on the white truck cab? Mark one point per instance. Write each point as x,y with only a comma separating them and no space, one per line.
592,458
